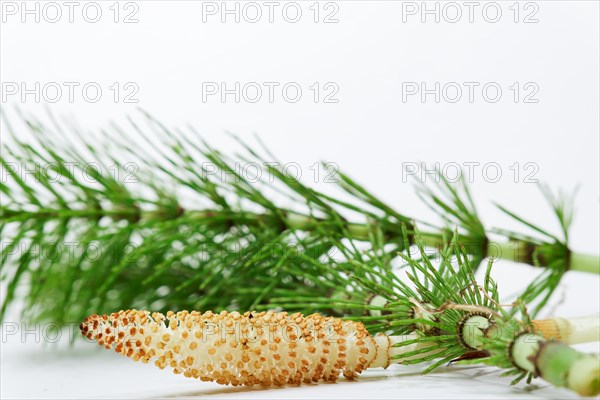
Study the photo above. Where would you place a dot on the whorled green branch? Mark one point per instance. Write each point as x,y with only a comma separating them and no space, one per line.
103,243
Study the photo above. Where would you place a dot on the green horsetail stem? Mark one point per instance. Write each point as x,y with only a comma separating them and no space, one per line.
551,360
521,251
584,263
558,364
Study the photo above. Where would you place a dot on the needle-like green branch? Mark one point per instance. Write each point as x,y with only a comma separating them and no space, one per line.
164,230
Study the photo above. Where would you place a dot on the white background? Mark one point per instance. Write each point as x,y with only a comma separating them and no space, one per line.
369,133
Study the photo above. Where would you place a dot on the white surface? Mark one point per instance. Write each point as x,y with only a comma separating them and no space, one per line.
33,371
369,134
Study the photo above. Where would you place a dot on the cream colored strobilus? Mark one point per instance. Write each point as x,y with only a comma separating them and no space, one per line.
276,348
265,348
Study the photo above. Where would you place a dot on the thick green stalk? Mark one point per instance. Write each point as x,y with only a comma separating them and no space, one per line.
512,250
585,263
558,364
532,353
522,251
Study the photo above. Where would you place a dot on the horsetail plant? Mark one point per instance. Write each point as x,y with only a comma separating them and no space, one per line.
277,348
377,296
472,326
183,238
364,289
